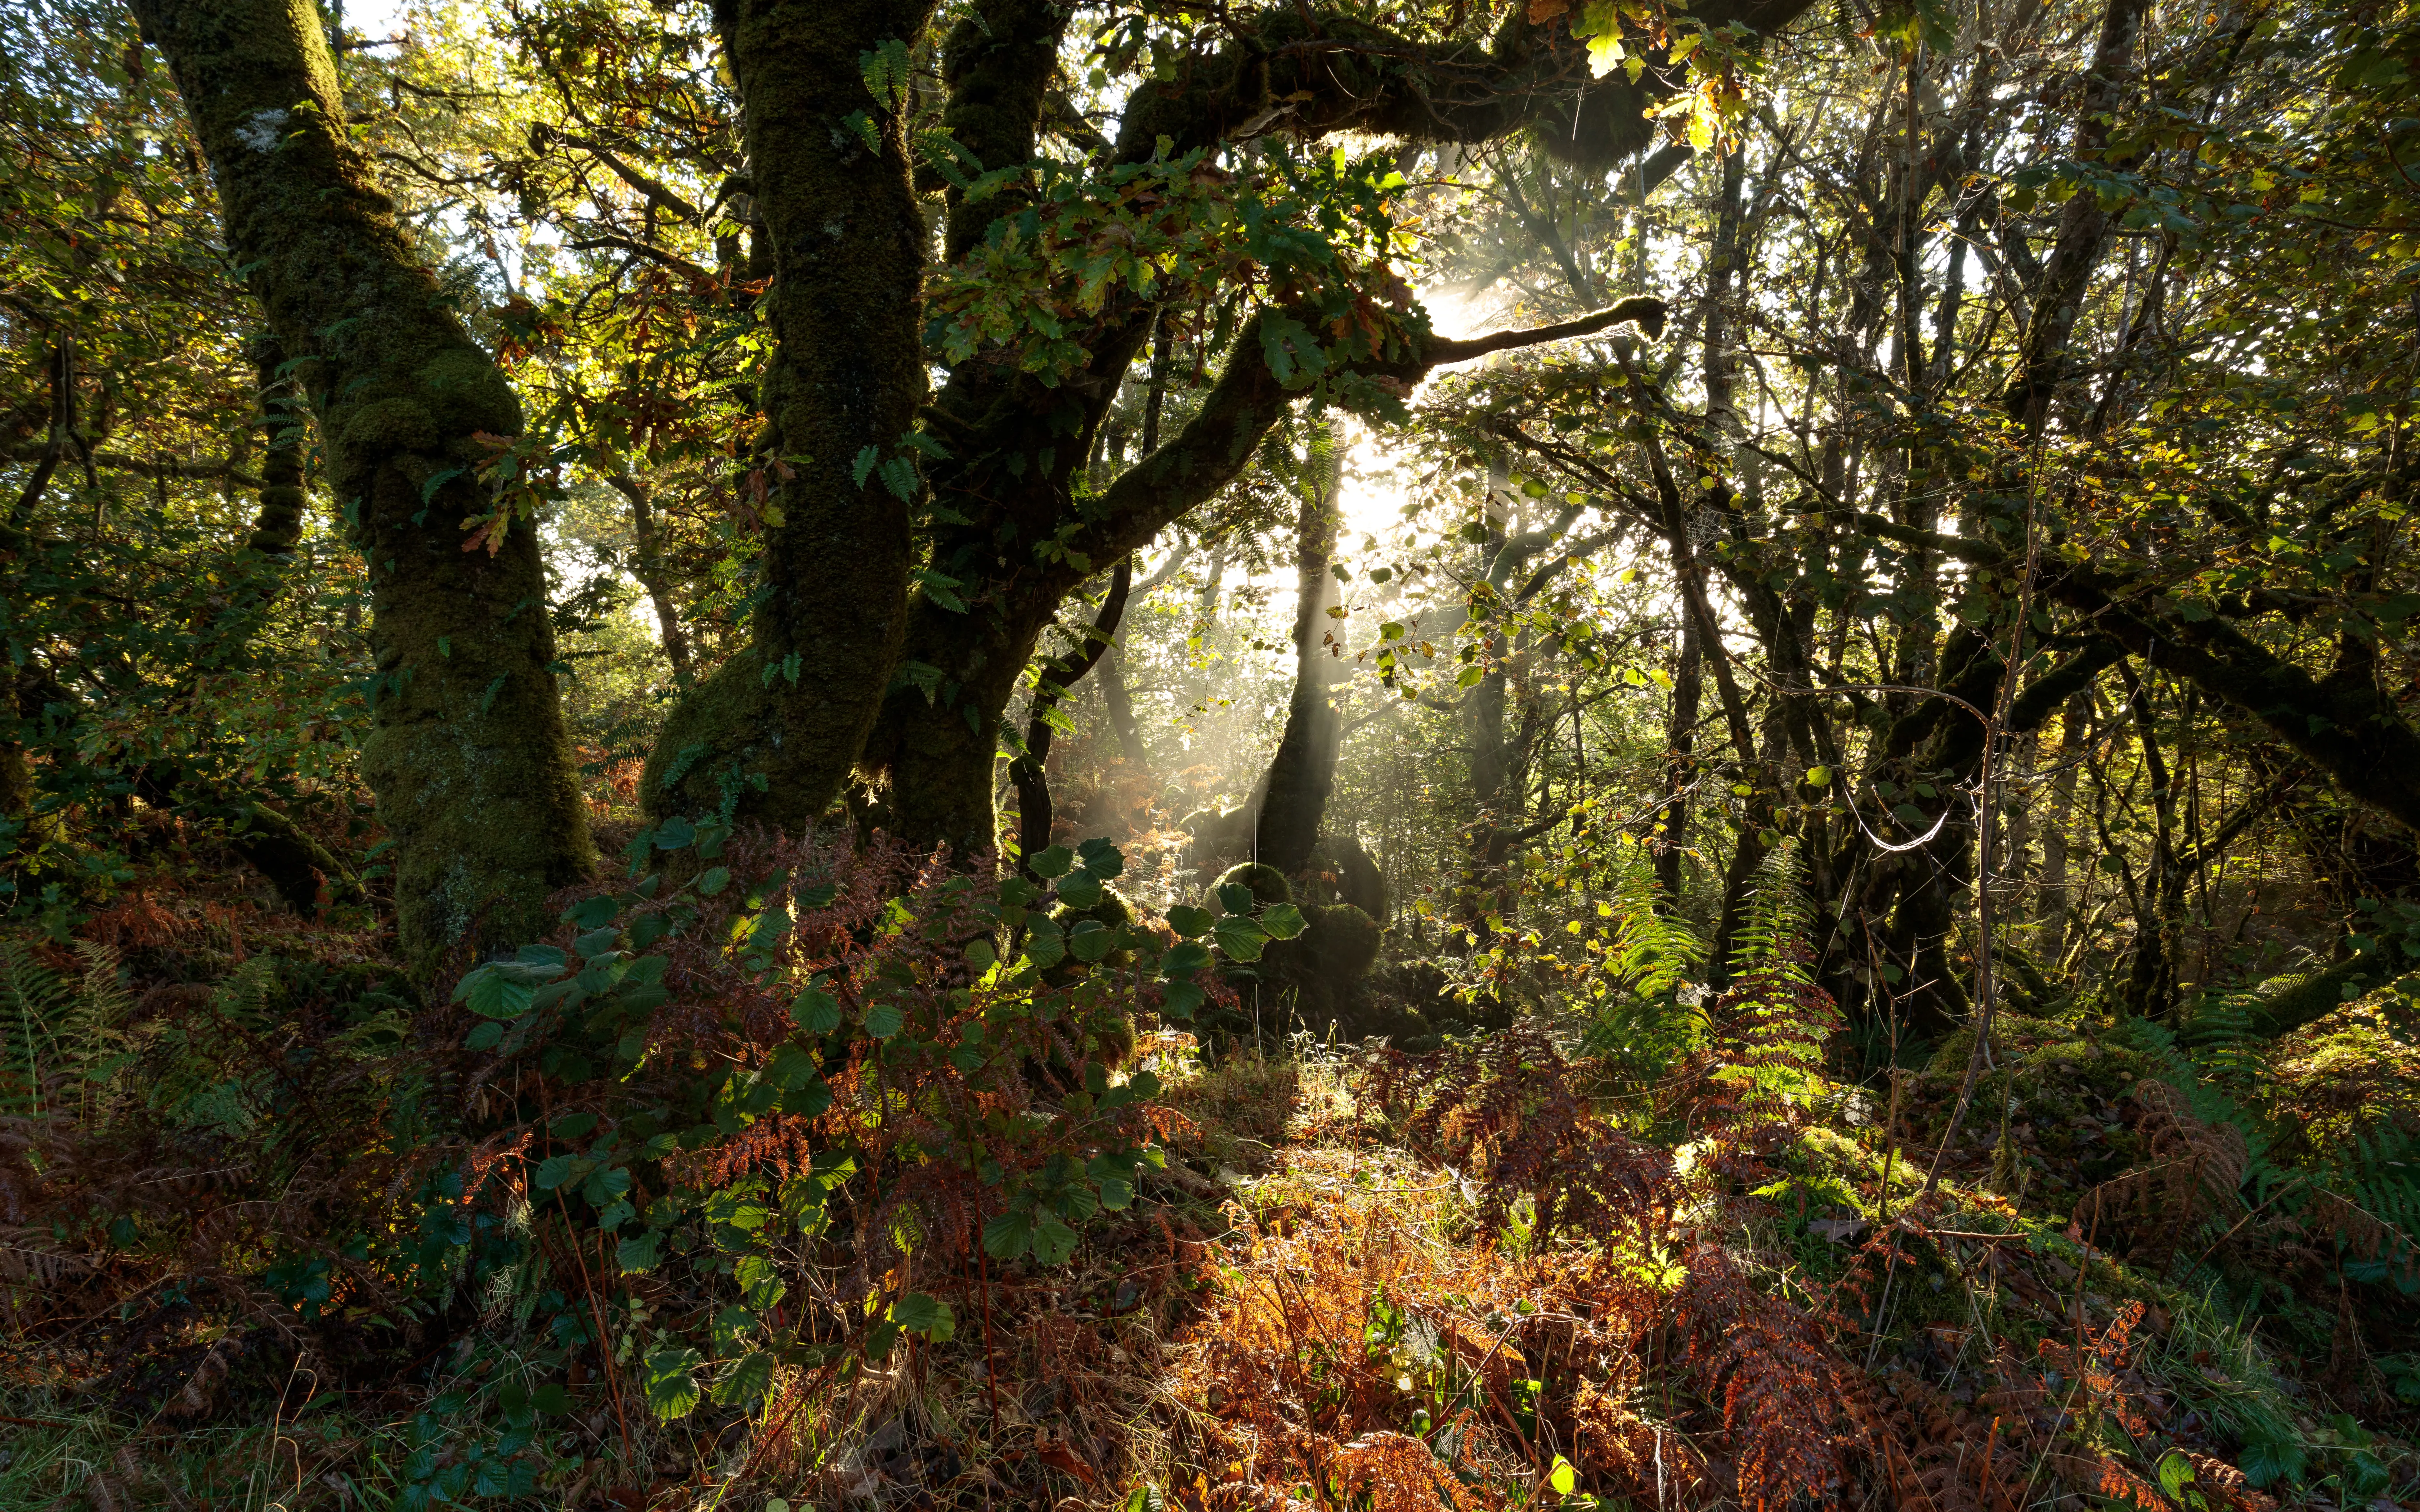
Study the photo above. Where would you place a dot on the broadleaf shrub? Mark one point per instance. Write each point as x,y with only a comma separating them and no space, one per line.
731,1132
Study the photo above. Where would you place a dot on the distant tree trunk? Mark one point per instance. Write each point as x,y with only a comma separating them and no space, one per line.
1679,763
649,570
1059,674
468,755
1302,774
1120,702
1722,411
2050,933
2150,990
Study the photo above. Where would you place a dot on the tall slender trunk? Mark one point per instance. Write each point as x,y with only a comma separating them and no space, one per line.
649,569
1302,774
1119,698
1679,762
2050,930
468,755
1059,674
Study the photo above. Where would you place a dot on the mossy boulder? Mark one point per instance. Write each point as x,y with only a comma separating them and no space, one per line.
1269,886
1341,942
1341,871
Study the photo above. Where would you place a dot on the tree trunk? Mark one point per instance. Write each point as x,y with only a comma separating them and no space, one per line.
1029,772
1680,765
1302,774
649,570
468,755
773,733
2050,934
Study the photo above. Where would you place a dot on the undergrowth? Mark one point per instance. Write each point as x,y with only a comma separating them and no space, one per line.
820,1175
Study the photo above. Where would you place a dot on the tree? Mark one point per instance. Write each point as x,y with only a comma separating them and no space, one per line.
469,758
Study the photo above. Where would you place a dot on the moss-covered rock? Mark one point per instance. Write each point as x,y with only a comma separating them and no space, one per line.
1341,944
1269,886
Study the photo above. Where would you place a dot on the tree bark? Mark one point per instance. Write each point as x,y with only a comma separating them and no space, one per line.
773,733
2050,934
1302,774
469,756
1030,772
649,570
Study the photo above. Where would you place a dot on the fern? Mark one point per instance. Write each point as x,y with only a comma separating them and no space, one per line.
2366,1196
1646,1018
1773,935
34,1001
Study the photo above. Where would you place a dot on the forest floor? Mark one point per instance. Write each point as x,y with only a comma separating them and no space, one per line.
1465,1280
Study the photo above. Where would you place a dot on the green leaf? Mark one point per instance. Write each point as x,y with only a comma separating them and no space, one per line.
1181,999
883,1020
789,1067
1046,946
1091,941
1284,921
636,1255
1189,921
920,1314
1241,938
1101,858
1819,777
1080,890
1564,1478
760,1281
672,1381
879,1340
1053,862
1236,898
2176,1473
714,881
1008,1235
492,992
674,833
1053,1241
746,1380
1188,957
815,1011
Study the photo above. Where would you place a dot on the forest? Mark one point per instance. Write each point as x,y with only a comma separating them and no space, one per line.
1241,755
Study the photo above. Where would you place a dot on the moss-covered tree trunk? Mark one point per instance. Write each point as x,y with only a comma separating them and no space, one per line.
467,755
773,733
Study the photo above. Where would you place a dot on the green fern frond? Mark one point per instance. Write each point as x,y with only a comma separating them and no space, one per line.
1651,955
34,1002
1772,932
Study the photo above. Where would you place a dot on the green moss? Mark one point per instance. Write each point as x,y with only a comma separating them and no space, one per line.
1268,884
468,755
1341,944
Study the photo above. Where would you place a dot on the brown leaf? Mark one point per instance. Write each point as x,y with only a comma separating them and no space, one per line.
1058,1457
